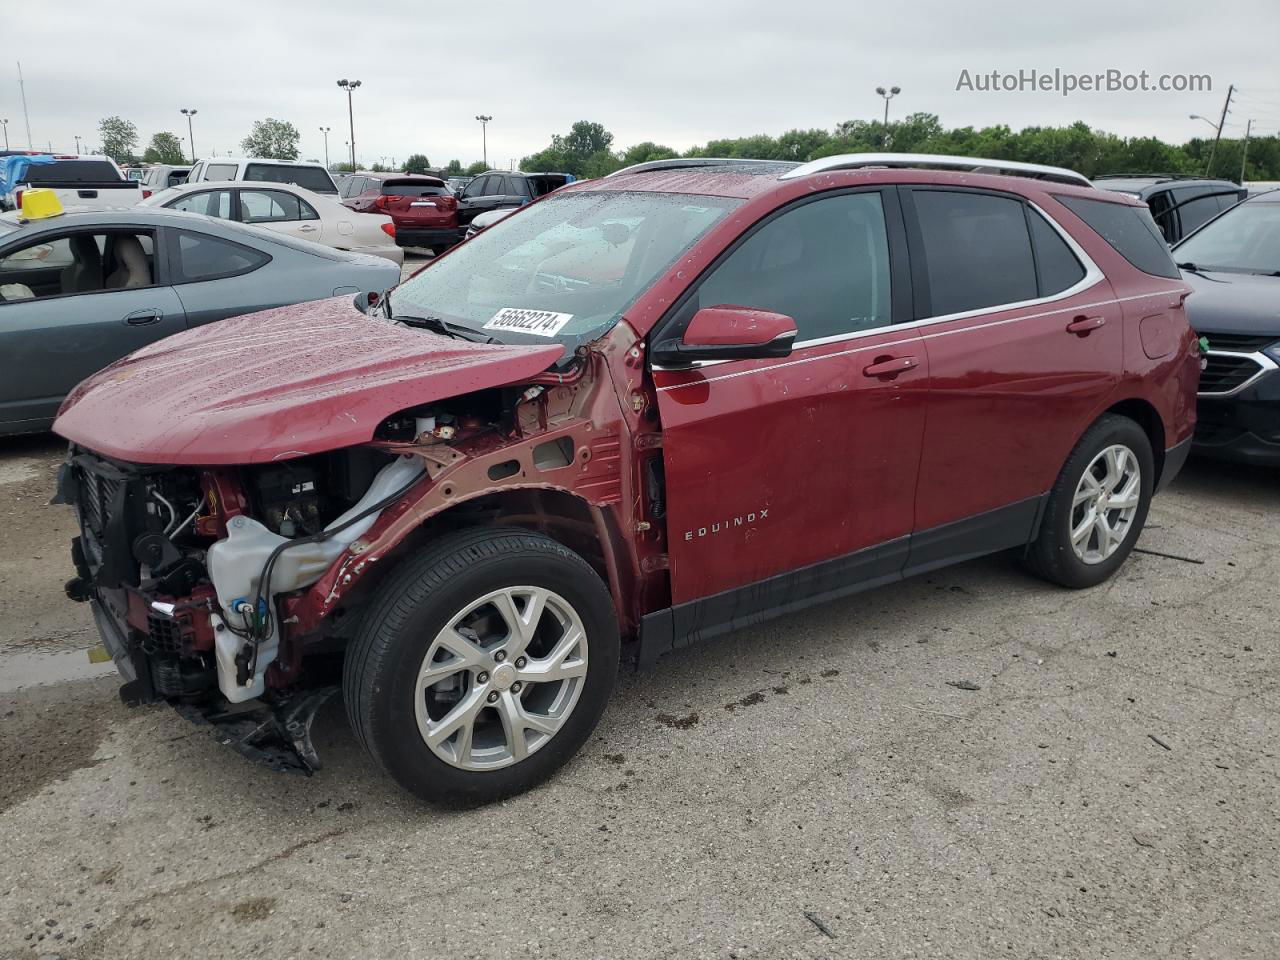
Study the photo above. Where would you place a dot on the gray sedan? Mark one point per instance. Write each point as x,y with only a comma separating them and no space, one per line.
81,290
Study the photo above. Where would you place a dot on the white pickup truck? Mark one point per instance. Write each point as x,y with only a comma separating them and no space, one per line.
84,182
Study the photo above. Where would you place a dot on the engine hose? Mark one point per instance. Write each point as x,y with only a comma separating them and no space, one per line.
260,630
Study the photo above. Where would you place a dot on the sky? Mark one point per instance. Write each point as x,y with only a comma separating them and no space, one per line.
669,71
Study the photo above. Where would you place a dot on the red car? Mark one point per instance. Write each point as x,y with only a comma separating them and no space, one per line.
646,411
423,209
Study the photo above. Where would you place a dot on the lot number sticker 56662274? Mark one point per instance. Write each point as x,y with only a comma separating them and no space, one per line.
541,323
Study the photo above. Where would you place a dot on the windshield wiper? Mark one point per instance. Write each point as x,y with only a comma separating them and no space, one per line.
444,327
435,325
1188,266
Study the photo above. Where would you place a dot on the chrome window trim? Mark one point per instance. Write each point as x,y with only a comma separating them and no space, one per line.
1093,275
1265,366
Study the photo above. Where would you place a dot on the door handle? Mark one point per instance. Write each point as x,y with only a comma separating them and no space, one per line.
1083,326
889,368
140,318
307,229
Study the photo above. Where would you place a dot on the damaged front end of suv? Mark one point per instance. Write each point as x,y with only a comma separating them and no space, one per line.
231,590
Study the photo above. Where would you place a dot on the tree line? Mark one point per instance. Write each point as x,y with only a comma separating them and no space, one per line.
587,149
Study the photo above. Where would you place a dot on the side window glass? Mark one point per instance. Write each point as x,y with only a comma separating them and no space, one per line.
824,263
1195,210
1129,230
1056,265
220,171
306,211
1162,212
977,250
204,257
211,203
268,206
78,263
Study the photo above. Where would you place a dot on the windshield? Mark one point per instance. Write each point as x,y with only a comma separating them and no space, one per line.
1245,239
562,270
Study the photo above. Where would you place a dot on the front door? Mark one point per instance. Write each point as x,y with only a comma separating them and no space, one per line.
792,480
70,304
481,194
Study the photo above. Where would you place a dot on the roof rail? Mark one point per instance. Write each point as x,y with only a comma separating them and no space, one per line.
683,163
855,161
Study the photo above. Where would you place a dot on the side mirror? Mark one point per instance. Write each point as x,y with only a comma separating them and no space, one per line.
729,333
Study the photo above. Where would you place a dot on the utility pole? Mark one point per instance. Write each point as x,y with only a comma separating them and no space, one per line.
888,95
349,86
191,137
77,146
1244,154
1222,122
25,115
484,137
5,124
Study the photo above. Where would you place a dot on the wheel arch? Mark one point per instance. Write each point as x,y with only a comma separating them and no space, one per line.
572,521
1145,415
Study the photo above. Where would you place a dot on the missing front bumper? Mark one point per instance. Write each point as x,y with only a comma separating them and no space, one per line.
275,735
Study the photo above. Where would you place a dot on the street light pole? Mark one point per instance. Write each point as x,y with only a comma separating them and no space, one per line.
191,137
349,86
77,146
5,124
325,131
888,95
484,137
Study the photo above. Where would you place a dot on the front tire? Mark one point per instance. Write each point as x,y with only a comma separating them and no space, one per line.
1097,507
483,665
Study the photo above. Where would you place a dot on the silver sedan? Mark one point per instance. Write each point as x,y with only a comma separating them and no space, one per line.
81,290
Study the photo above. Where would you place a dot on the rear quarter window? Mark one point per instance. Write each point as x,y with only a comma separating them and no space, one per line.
200,256
1129,231
220,171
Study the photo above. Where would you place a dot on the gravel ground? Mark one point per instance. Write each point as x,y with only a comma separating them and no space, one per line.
813,787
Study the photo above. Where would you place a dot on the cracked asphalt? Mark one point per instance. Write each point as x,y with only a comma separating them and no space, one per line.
814,787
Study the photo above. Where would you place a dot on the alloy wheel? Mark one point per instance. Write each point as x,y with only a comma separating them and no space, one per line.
1105,504
501,678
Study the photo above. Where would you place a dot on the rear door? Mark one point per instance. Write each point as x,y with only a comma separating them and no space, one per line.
515,192
796,476
52,341
1023,336
281,212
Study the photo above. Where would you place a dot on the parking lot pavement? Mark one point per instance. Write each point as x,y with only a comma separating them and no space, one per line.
812,787
414,259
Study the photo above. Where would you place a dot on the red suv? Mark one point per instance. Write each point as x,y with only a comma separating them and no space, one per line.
646,411
423,209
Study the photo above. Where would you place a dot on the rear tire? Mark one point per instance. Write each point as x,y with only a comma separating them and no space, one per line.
445,655
1097,507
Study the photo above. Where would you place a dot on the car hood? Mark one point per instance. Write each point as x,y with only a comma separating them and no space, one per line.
1242,303
278,384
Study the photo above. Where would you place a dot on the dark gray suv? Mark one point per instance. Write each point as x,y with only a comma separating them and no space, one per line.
1178,204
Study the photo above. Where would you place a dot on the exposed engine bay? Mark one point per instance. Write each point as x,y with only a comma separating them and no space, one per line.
214,587
185,566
